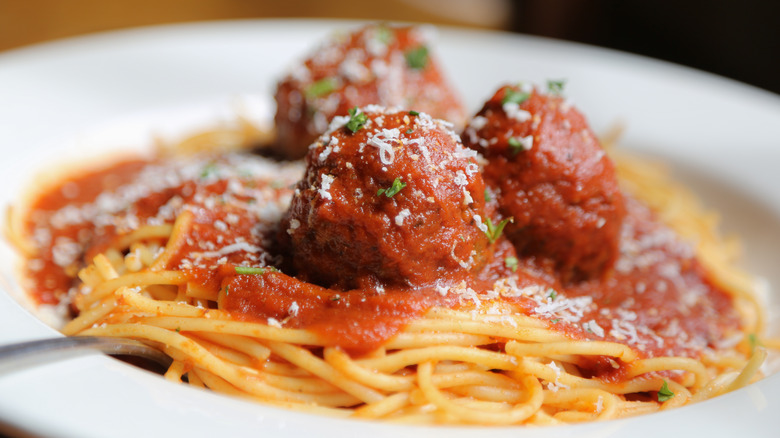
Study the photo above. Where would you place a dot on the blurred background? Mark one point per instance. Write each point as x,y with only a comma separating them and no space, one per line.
736,39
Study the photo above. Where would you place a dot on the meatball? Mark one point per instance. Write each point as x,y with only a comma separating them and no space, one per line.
553,178
389,197
377,64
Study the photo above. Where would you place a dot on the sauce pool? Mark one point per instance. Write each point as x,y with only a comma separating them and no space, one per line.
658,299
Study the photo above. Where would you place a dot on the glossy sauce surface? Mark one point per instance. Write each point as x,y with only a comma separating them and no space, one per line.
658,299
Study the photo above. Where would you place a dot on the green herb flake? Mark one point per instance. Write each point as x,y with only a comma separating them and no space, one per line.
323,87
556,320
335,297
516,145
488,198
414,113
552,294
356,119
493,232
409,131
178,329
511,263
555,87
384,35
514,96
393,189
417,58
665,393
754,342
209,170
244,270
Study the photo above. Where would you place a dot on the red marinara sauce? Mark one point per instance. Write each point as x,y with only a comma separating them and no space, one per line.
376,64
658,299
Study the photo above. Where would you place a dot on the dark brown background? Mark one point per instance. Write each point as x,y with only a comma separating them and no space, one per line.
734,38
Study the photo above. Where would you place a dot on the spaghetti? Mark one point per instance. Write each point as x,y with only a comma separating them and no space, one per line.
477,358
399,275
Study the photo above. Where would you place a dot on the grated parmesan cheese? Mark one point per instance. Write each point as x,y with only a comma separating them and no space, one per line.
593,327
513,111
327,180
399,218
383,141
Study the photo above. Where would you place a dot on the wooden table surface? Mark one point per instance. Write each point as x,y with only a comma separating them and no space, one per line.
24,22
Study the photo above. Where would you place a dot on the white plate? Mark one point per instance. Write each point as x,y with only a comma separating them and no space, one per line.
112,90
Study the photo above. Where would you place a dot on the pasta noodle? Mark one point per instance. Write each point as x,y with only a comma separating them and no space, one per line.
443,367
408,274
451,365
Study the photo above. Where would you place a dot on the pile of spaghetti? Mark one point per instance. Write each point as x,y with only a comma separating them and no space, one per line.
216,259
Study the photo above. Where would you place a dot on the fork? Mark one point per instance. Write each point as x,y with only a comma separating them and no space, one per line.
26,354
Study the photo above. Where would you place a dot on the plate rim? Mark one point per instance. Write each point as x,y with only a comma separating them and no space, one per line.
101,362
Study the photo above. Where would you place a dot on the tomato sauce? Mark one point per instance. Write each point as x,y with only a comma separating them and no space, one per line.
658,299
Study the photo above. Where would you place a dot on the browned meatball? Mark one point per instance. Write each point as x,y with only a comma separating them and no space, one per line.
397,202
552,177
377,64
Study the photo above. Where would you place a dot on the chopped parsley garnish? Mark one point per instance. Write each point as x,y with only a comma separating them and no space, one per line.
555,87
556,320
515,145
665,393
494,231
244,270
754,342
335,297
414,113
552,294
356,119
209,170
178,329
246,176
513,96
511,263
384,35
409,131
393,189
323,87
417,58
488,198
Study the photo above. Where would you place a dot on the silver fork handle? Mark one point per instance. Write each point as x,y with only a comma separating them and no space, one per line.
26,354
